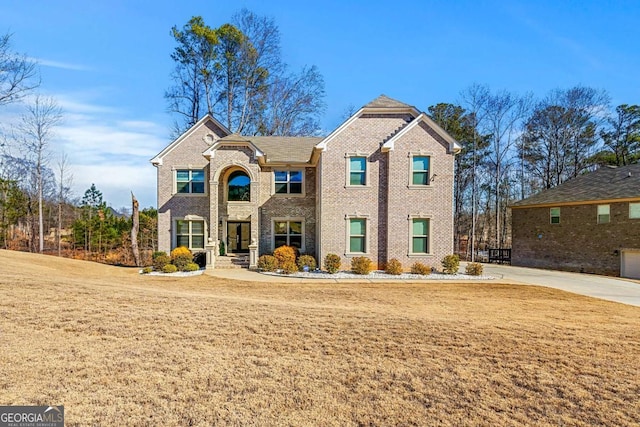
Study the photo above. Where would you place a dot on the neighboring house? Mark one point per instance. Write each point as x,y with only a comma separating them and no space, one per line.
379,186
588,224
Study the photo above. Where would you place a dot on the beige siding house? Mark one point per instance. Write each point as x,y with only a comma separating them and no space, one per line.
380,186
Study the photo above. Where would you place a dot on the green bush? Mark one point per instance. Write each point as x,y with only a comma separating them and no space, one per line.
285,255
180,257
147,270
420,268
451,264
222,249
160,261
169,268
473,269
156,254
361,265
267,263
332,263
393,267
288,267
192,266
307,260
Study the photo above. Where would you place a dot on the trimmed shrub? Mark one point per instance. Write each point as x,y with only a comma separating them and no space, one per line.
473,269
147,270
332,263
284,255
288,267
192,266
393,267
451,264
267,263
180,257
361,265
221,249
169,268
160,261
420,268
156,254
307,260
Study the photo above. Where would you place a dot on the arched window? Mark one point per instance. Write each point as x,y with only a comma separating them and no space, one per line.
239,187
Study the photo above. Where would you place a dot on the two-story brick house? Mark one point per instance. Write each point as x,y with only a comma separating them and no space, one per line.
380,186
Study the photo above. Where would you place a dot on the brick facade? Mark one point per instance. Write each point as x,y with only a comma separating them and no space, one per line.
578,243
385,132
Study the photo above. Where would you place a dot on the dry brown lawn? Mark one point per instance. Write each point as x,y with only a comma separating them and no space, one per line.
117,348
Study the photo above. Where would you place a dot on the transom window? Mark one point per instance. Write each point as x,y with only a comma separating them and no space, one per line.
420,170
239,187
190,181
420,236
287,233
357,171
357,235
288,182
554,214
190,234
634,210
603,214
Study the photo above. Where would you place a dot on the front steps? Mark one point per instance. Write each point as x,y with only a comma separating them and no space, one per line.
233,261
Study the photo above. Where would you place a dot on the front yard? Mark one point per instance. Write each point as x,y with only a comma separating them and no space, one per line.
119,348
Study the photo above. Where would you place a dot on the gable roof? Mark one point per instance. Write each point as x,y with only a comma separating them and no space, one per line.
383,101
157,159
272,149
454,146
606,183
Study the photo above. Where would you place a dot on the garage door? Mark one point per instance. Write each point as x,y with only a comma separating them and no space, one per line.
630,264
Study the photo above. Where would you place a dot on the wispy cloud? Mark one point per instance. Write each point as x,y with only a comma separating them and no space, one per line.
62,65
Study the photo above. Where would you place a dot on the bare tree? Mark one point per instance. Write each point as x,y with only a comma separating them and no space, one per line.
135,217
35,130
18,75
64,189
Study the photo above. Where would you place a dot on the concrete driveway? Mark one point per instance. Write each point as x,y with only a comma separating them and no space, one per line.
608,288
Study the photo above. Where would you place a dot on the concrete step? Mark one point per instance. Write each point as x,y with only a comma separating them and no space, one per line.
233,261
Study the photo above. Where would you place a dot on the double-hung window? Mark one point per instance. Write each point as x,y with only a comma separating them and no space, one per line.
190,181
357,171
634,210
603,214
419,236
554,214
190,234
357,235
420,170
288,233
288,182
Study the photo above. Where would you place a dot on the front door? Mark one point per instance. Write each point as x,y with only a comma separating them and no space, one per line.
238,235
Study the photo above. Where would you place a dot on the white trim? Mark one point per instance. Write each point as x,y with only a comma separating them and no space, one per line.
454,146
190,219
157,159
410,219
551,216
301,220
430,173
348,157
210,152
608,214
367,236
633,217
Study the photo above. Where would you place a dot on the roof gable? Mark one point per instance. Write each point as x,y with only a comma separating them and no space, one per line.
454,146
606,183
271,149
157,159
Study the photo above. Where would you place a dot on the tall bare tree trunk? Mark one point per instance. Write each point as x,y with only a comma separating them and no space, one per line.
134,230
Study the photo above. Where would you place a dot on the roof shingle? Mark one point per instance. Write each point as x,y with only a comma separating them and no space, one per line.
384,101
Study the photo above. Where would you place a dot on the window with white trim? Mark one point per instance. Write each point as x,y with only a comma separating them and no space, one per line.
190,234
419,236
634,210
190,181
603,214
286,232
420,170
554,215
357,235
357,171
288,181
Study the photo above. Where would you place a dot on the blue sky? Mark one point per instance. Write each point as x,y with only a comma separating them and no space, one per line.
108,64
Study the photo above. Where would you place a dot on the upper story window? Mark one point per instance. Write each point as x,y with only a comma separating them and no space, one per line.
634,210
288,182
603,214
239,187
357,170
554,214
420,170
190,181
